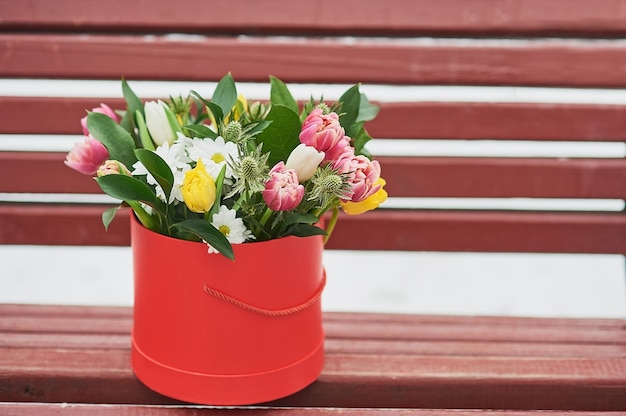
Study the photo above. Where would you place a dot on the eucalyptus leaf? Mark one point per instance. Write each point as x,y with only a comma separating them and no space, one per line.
158,168
280,95
281,136
127,188
118,141
225,94
208,233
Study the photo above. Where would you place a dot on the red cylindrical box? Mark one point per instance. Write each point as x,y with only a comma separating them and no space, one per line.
209,330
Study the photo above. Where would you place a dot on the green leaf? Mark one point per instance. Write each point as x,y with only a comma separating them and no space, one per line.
359,139
127,188
367,110
171,119
208,233
145,219
157,168
202,131
108,216
296,218
257,127
215,109
219,184
281,136
304,230
350,104
132,101
144,135
133,104
225,94
280,95
118,141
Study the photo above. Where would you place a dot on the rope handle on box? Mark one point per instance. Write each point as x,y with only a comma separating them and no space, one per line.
267,312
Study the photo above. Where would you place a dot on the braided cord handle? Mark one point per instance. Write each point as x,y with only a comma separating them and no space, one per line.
267,312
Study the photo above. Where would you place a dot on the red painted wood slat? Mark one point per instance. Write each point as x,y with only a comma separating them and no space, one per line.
572,63
504,177
349,328
378,230
388,372
76,409
406,176
411,120
483,232
474,17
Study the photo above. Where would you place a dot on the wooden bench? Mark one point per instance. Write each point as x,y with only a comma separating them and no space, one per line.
75,360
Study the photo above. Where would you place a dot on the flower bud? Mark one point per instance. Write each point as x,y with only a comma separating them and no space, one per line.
87,156
232,132
198,189
112,167
304,160
157,123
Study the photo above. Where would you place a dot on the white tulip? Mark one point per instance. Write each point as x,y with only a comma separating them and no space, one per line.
304,160
157,123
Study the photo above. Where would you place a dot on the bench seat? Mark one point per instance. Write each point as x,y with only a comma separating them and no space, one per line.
505,73
80,354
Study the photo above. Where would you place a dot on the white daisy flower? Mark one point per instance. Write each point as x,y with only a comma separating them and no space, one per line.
215,154
233,228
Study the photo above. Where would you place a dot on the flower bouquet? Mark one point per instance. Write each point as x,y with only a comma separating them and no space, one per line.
208,175
225,171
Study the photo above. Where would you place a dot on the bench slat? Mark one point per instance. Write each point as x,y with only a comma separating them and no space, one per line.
366,371
352,328
504,177
483,232
465,231
429,120
480,62
71,409
406,176
474,17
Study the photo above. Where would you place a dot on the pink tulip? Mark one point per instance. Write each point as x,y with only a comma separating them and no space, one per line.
363,174
323,132
103,109
86,157
282,191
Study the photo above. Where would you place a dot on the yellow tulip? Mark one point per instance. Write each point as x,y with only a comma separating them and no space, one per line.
198,189
241,106
369,203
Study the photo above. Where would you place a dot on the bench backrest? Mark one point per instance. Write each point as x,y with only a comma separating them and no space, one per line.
451,77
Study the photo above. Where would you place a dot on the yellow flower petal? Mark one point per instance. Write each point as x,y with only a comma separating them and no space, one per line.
369,203
198,189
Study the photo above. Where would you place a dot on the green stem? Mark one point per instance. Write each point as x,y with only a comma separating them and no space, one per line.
266,216
331,223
